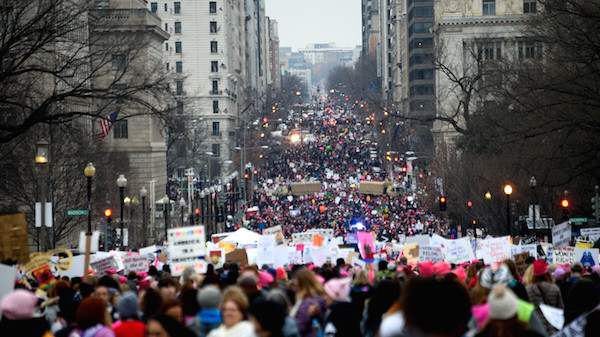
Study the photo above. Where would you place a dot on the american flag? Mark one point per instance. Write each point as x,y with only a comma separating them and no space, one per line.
223,66
106,124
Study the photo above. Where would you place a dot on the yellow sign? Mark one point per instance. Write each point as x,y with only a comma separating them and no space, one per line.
63,258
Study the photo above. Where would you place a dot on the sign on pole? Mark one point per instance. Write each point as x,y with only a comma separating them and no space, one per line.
187,246
561,234
76,212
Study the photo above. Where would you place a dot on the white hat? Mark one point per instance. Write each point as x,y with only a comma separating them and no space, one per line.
503,303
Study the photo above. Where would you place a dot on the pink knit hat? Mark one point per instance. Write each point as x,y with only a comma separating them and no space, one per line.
425,269
280,273
460,273
265,279
19,305
441,268
338,289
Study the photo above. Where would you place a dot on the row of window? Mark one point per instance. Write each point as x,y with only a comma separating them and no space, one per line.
213,28
419,27
176,7
489,7
214,47
420,12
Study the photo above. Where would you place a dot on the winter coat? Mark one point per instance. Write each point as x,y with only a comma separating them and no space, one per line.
289,328
304,320
242,329
545,293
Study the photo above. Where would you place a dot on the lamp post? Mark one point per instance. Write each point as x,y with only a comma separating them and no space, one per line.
508,190
41,160
89,173
166,204
127,203
533,185
122,183
143,193
182,205
210,155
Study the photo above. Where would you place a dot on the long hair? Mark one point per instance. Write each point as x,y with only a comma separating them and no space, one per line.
511,327
91,312
308,284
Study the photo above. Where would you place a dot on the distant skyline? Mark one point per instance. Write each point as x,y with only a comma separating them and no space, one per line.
316,21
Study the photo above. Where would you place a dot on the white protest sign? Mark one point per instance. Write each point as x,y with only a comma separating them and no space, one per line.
422,240
104,263
7,279
281,256
265,250
94,241
587,256
136,262
187,247
360,263
592,233
430,253
554,316
494,249
437,240
531,249
320,255
277,232
561,255
561,234
77,265
307,254
458,251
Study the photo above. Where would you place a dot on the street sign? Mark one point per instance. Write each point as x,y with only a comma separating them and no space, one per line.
76,212
578,221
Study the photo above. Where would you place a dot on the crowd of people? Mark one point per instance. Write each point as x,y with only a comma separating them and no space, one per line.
427,299
340,158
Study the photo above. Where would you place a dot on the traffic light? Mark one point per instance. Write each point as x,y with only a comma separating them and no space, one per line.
108,213
442,204
565,206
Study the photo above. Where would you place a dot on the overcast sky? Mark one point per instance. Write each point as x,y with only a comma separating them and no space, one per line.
316,21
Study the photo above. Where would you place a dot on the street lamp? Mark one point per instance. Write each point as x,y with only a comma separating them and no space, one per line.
42,149
143,193
122,183
89,173
488,195
182,205
166,204
127,203
202,196
533,185
210,155
508,190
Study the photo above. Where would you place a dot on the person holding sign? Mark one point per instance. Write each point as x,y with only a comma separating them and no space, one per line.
543,291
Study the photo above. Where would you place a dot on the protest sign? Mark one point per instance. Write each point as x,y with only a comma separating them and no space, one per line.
561,255
554,316
228,247
44,277
561,234
351,257
531,249
420,239
359,263
583,244
520,262
317,240
135,262
187,247
320,255
277,232
7,279
366,246
238,256
307,253
265,250
592,233
281,256
587,256
494,249
93,243
13,241
430,253
103,263
352,238
458,251
411,252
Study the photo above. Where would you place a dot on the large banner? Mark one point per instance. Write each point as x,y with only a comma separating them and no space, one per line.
187,246
458,251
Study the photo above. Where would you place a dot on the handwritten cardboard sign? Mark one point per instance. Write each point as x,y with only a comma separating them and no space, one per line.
430,253
136,262
277,232
238,256
561,255
13,241
187,246
561,234
520,262
104,263
458,251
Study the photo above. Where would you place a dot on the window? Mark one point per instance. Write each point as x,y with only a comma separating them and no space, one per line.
420,43
489,7
213,26
177,27
529,49
179,107
215,107
118,90
179,67
424,89
529,6
118,62
101,3
6,19
490,50
389,71
166,27
178,47
215,129
420,12
216,150
419,27
166,8
177,6
168,67
167,46
120,129
212,7
421,74
179,87
214,47
215,87
214,66
154,7
182,150
419,59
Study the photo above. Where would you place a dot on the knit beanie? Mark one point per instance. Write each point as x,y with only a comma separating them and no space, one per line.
503,303
128,306
19,305
209,297
338,289
425,269
539,267
441,268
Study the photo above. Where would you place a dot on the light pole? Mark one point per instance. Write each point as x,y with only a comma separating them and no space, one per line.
127,203
533,185
210,155
89,173
41,160
143,193
182,205
166,204
202,196
122,183
508,190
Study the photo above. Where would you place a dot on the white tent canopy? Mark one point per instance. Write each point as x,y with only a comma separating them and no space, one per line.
243,237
